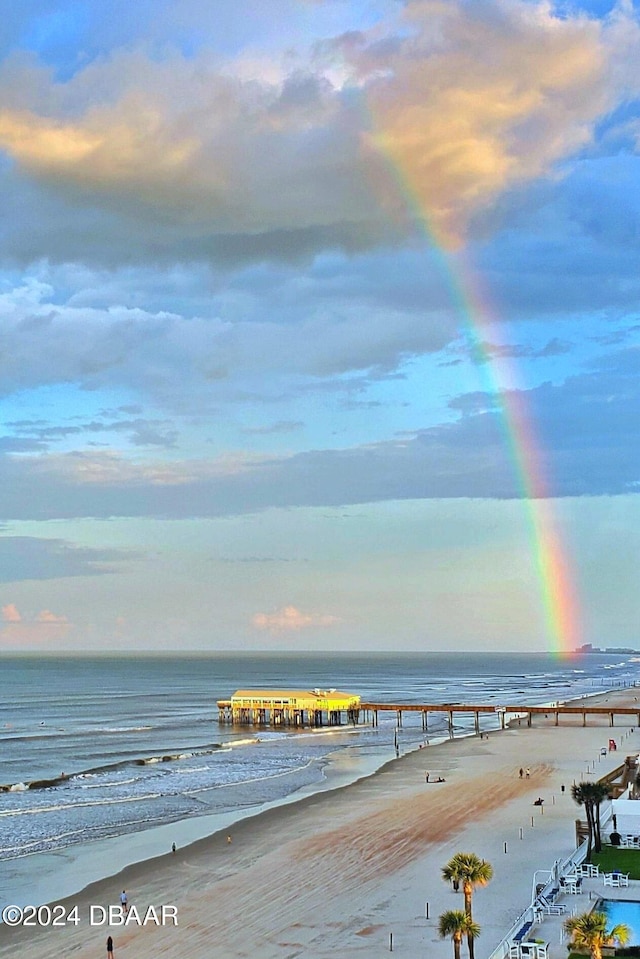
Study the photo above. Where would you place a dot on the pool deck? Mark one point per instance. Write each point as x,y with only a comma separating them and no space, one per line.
551,928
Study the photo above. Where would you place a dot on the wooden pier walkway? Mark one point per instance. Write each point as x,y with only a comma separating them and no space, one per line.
372,710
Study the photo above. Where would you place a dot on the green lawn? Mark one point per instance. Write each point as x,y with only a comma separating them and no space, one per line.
613,857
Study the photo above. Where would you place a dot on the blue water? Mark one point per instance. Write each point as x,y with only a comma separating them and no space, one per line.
623,912
110,724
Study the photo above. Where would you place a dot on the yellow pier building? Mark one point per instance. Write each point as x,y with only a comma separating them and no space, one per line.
289,707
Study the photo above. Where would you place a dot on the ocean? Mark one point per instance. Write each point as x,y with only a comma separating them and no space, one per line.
101,757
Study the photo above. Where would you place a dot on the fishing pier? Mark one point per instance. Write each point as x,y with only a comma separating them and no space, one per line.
331,707
505,713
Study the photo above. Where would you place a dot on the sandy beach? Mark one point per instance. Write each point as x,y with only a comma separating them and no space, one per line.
339,871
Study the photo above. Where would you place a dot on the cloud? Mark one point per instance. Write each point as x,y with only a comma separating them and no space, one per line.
289,619
179,150
11,614
486,352
481,98
281,426
140,432
31,558
33,631
582,427
46,616
190,157
188,363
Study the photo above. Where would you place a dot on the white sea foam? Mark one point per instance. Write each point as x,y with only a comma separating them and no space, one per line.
115,783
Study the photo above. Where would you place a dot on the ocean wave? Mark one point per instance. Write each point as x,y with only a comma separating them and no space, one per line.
115,782
38,810
124,729
34,784
95,771
70,837
254,779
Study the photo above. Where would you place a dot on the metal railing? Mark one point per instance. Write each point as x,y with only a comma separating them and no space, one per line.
561,868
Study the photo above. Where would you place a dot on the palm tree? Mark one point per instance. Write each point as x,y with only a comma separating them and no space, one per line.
600,792
581,794
589,931
456,923
590,795
471,871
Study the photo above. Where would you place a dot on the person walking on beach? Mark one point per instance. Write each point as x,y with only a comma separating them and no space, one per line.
109,947
426,777
123,902
527,772
173,848
521,772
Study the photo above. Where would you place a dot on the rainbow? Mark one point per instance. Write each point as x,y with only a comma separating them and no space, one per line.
553,572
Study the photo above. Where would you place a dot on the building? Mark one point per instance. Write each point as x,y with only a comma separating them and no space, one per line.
289,707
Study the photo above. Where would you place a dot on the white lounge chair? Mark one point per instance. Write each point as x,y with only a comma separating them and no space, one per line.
551,908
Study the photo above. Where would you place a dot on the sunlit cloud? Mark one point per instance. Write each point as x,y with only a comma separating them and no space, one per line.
52,619
290,619
464,101
21,631
481,98
11,614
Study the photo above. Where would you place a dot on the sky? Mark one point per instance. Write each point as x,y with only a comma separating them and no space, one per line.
319,325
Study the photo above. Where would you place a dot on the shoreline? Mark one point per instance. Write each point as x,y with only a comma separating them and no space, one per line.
70,871
349,810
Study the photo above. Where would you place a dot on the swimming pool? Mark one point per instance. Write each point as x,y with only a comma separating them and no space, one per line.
626,912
